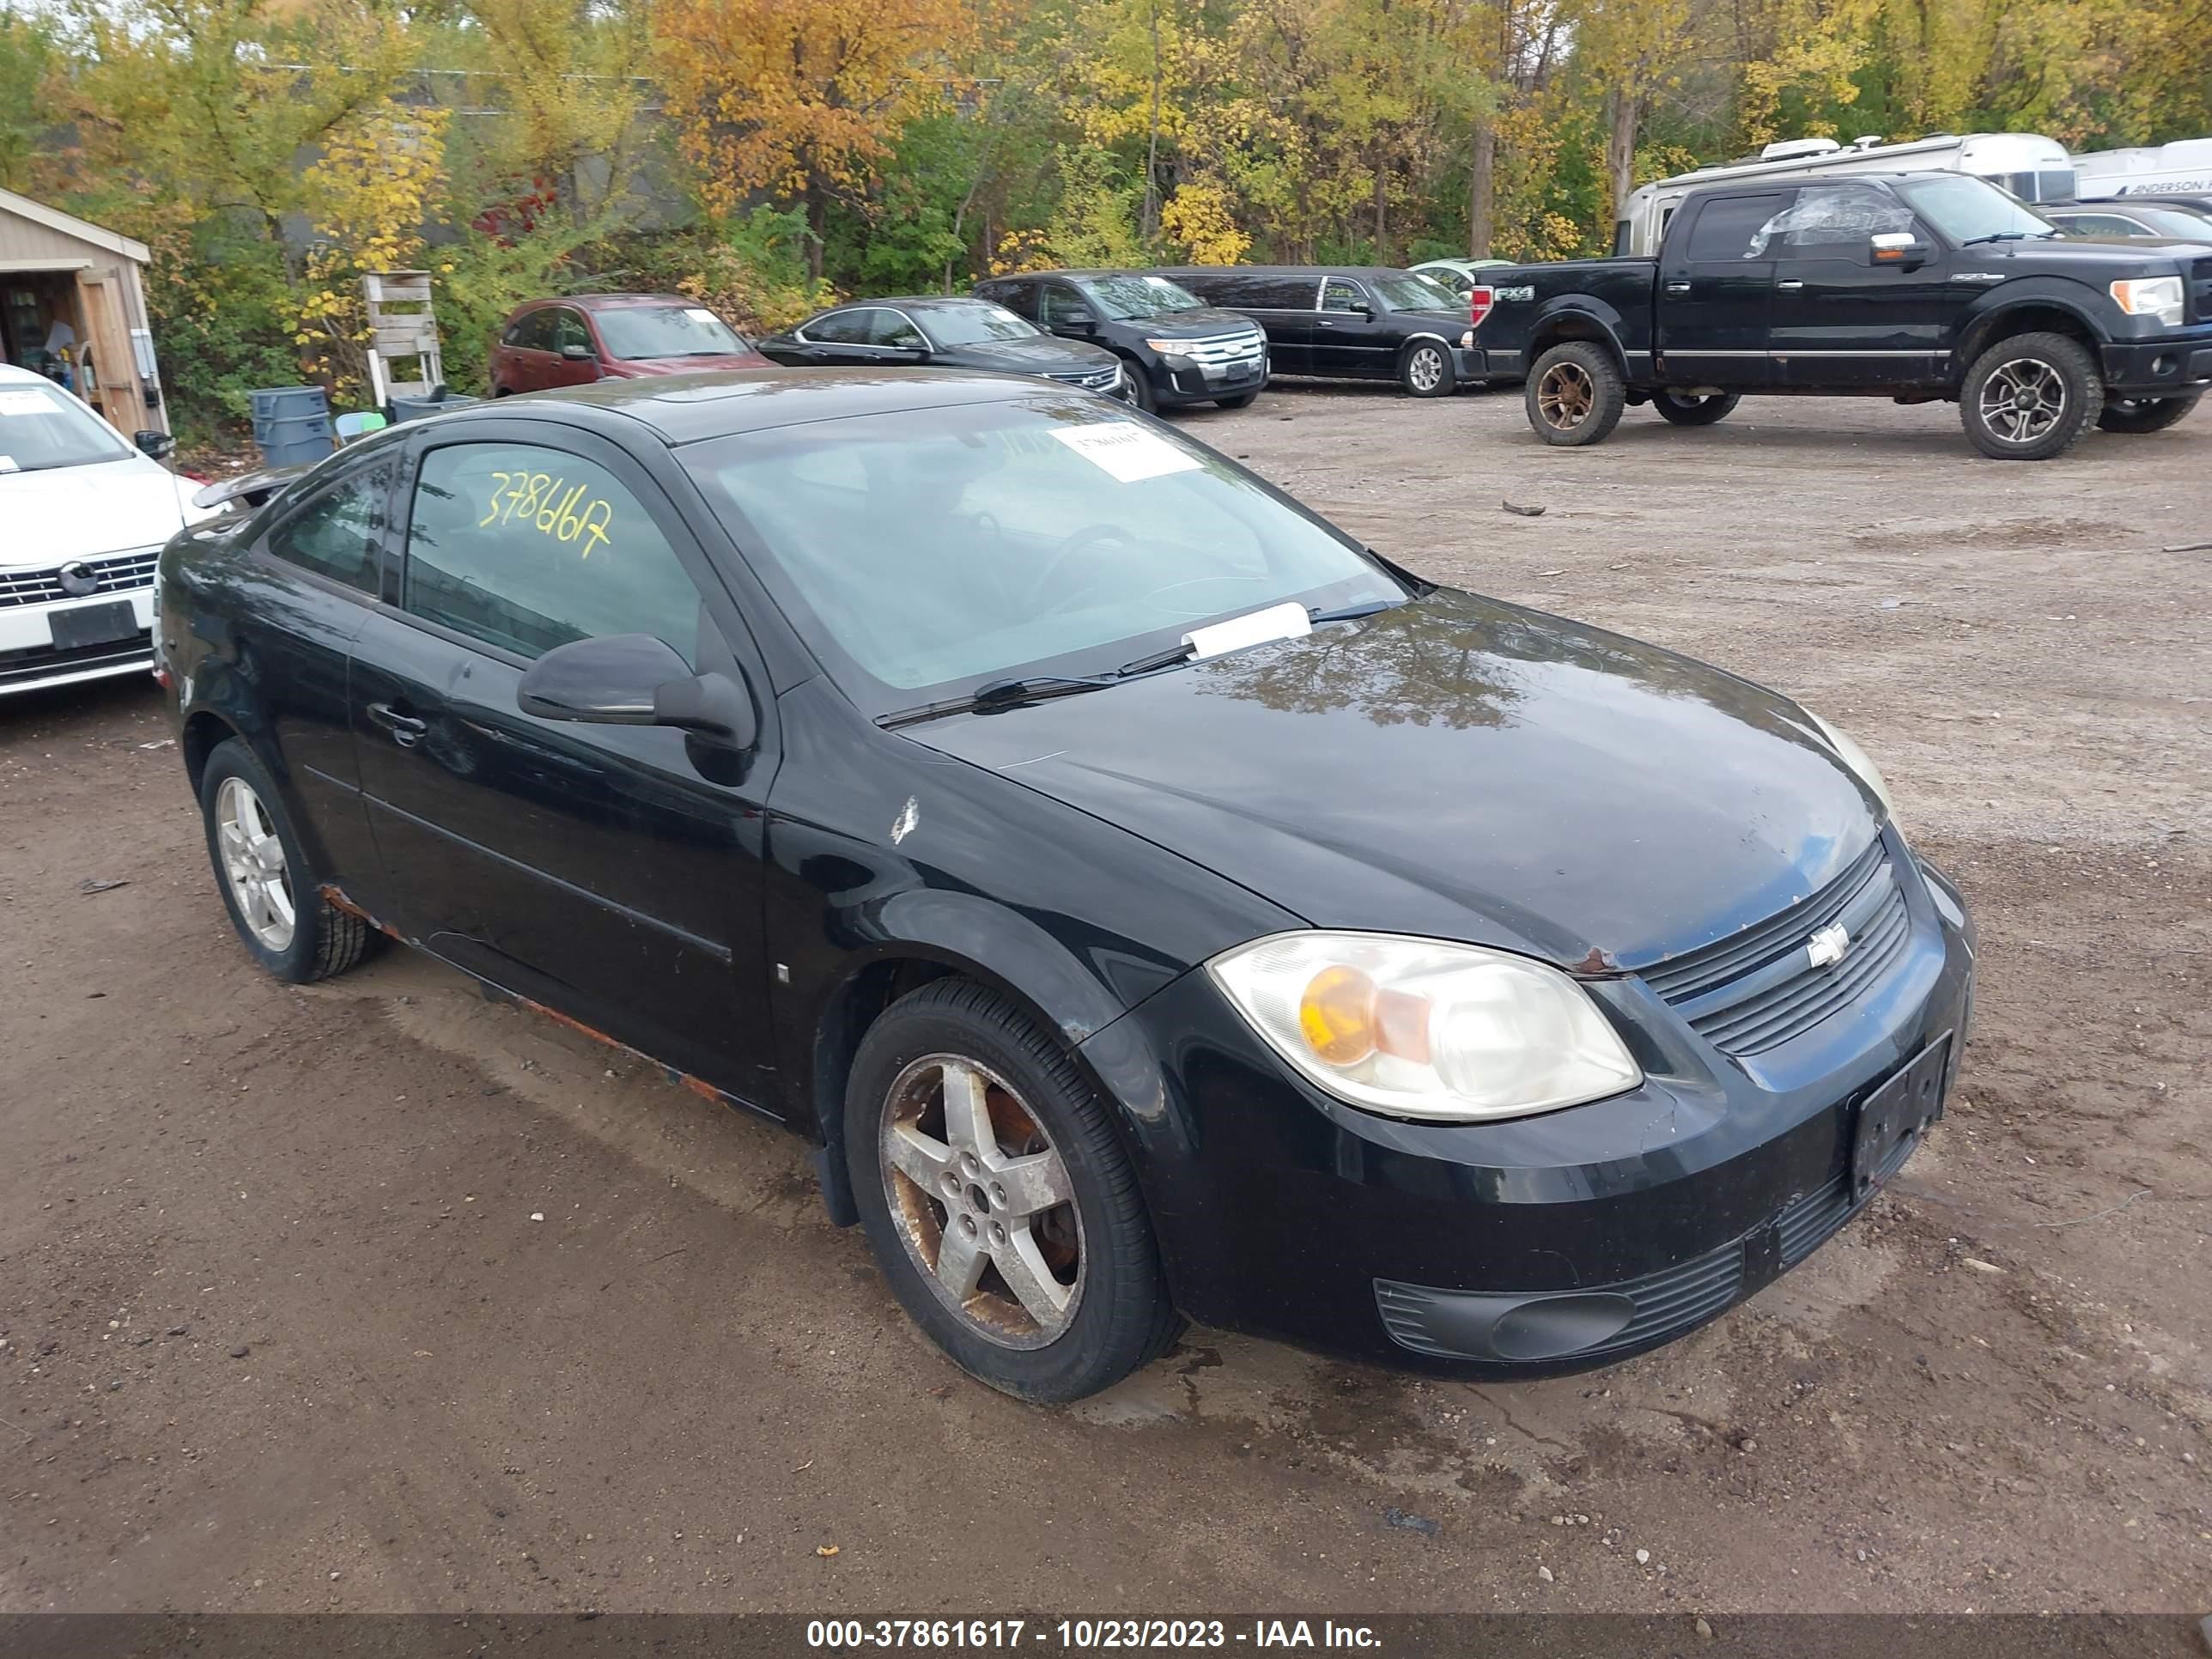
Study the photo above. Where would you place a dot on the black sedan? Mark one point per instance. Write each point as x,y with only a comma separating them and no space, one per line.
944,332
1351,322
1177,349
1148,900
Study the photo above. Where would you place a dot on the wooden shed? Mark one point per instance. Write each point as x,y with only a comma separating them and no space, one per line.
73,306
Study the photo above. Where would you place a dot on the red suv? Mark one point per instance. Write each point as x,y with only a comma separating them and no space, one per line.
611,337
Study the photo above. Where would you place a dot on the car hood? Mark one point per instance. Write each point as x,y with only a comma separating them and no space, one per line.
2097,254
1202,324
1463,768
716,364
66,513
1045,354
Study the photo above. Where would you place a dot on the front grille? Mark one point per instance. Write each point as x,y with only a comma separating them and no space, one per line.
1241,351
116,574
37,662
1812,1220
1758,988
2200,291
1095,379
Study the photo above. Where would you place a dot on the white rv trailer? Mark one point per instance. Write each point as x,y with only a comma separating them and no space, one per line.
2032,167
2182,167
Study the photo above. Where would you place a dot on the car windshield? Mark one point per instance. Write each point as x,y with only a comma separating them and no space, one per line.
635,331
41,426
1409,290
972,325
933,550
1969,210
1119,298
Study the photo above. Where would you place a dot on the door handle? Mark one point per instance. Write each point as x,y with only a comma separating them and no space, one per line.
1792,283
1677,287
404,728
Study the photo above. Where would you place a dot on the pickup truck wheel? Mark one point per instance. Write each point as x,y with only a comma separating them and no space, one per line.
2145,414
1425,369
2031,398
1575,394
1693,410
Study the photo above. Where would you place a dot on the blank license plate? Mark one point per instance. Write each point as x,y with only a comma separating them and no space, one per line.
93,624
1895,1114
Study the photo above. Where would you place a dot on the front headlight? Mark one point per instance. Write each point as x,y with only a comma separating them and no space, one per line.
2151,296
1422,1028
1170,347
1858,761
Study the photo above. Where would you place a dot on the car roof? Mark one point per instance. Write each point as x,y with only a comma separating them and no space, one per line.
917,301
1290,271
1084,274
683,409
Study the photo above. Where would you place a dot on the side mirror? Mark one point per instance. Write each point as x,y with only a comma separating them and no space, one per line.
1897,247
154,445
579,354
634,679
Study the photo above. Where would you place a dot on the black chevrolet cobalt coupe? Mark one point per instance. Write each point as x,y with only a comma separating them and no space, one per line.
1150,902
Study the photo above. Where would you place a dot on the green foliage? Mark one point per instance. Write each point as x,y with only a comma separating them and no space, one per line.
221,303
27,59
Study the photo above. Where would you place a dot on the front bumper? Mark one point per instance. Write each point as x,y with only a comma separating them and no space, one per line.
1176,386
2171,368
1613,1226
30,660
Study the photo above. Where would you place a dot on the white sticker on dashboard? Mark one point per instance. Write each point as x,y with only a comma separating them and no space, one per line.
1127,450
701,314
26,402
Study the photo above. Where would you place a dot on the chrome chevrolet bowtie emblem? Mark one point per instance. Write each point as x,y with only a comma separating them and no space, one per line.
1828,945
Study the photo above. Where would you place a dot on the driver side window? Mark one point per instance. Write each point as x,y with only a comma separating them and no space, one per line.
1338,294
895,328
1058,306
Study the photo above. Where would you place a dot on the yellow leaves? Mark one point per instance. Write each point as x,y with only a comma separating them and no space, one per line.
1197,217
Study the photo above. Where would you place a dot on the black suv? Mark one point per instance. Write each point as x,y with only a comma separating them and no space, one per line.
1177,349
1350,322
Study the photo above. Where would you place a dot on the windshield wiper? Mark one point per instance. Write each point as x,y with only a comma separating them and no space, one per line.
1016,689
2009,236
1352,612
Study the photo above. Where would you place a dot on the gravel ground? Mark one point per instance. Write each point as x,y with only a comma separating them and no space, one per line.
282,1331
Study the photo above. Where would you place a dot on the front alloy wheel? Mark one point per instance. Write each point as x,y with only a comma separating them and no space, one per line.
997,1198
1426,372
982,1200
2031,398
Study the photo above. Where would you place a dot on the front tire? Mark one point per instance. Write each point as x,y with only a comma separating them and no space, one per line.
997,1199
2031,398
1141,395
273,894
2133,415
1575,394
1694,410
1424,370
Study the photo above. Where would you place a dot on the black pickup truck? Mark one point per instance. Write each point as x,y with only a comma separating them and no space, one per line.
1915,287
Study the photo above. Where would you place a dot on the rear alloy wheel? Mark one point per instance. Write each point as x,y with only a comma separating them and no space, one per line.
274,898
1575,394
1426,370
2031,398
1695,409
997,1199
2145,414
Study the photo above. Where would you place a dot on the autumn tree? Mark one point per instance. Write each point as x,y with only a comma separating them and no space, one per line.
801,100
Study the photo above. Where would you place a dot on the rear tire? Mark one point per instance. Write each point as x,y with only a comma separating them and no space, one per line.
2031,398
1015,1236
1424,370
1575,394
2145,414
274,895
1695,411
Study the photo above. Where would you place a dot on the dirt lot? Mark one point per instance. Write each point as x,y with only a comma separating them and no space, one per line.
282,1331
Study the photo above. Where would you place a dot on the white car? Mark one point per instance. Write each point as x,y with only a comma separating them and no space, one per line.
82,518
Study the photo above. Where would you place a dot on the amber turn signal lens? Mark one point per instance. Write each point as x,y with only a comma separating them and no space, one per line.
1336,1015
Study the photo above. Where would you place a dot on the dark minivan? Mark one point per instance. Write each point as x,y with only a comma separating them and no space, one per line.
1176,349
1148,900
1350,322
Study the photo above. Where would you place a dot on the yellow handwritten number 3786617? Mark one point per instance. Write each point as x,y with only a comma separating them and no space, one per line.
540,499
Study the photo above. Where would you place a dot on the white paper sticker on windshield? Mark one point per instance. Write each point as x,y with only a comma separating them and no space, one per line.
1127,450
8,464
701,314
26,402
